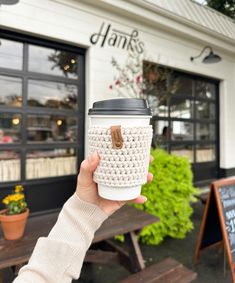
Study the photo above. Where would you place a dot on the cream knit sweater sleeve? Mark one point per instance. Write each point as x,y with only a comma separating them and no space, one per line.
58,258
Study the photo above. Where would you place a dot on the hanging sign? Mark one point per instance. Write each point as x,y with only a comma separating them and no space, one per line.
218,223
107,35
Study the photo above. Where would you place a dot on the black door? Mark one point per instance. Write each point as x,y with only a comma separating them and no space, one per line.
185,118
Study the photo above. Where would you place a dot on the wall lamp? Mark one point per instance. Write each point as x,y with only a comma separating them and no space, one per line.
210,58
8,2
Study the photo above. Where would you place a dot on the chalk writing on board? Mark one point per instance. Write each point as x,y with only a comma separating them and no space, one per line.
227,196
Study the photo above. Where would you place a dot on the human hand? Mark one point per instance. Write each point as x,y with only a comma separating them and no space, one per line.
87,189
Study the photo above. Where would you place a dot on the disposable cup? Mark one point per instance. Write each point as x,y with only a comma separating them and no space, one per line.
122,169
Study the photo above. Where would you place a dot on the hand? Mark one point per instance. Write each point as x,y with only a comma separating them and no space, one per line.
87,189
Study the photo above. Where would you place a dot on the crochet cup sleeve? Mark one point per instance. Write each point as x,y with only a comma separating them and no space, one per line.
123,167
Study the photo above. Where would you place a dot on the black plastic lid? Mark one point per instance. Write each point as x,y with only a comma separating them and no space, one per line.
121,106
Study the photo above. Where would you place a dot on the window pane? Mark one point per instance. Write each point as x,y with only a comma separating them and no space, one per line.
11,91
9,166
160,131
11,54
181,108
183,150
159,84
205,131
184,85
159,109
50,163
10,128
205,110
205,153
52,94
205,90
53,62
51,128
182,130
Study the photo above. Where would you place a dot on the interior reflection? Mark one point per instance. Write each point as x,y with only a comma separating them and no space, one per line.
205,131
205,90
52,94
205,153
11,91
51,128
181,108
51,163
183,150
9,165
52,61
10,127
182,130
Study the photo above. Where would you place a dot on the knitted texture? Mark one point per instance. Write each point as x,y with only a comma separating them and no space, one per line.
125,167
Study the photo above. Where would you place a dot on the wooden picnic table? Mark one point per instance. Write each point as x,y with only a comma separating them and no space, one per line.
128,221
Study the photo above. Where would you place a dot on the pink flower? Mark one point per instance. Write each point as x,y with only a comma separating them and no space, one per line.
138,79
110,87
117,82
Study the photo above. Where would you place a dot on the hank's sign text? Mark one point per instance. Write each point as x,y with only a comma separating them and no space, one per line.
116,38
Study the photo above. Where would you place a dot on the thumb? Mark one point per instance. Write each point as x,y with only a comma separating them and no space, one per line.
88,166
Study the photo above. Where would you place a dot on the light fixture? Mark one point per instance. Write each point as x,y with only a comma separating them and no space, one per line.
66,67
59,122
15,121
210,58
8,2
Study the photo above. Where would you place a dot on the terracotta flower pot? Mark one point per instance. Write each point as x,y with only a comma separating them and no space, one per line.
13,226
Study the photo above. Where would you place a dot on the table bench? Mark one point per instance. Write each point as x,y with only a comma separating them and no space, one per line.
128,221
167,271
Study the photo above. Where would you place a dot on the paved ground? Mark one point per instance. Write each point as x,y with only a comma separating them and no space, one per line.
210,268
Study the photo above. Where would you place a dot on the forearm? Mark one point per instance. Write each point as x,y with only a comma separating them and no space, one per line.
59,257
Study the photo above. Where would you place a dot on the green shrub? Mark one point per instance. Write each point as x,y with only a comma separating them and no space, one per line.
169,197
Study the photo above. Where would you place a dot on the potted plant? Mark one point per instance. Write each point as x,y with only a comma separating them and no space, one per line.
13,218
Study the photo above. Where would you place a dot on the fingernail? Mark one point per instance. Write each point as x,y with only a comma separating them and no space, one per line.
144,198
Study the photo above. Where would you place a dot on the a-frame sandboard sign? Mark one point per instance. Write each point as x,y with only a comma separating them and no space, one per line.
218,222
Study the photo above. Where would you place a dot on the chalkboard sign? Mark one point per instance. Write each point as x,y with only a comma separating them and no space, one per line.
218,222
227,197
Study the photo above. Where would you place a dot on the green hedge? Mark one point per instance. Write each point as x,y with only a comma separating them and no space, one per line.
169,197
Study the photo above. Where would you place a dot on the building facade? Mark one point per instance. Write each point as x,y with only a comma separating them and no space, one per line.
59,56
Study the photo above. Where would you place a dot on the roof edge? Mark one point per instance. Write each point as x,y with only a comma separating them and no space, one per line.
214,11
181,20
152,7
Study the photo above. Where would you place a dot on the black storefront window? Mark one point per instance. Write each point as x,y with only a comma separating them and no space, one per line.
185,119
41,118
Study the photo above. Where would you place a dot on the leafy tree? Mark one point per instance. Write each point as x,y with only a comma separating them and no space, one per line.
226,7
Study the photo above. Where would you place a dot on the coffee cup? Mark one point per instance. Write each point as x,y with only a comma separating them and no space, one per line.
120,132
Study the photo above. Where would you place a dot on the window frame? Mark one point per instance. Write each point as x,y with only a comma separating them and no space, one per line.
194,142
25,110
